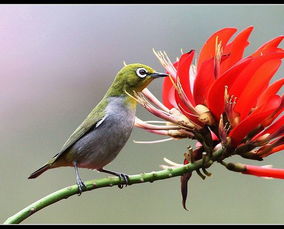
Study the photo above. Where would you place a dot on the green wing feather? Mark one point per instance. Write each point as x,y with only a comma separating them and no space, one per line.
97,114
94,117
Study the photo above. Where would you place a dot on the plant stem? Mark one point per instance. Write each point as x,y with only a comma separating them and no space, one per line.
106,182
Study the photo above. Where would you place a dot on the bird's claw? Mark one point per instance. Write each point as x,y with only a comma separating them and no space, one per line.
81,187
125,178
122,177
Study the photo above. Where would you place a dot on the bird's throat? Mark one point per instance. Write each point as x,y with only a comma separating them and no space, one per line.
130,103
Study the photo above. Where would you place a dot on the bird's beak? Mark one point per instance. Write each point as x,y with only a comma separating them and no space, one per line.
158,74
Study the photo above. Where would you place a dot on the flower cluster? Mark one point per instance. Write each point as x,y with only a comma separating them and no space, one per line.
222,100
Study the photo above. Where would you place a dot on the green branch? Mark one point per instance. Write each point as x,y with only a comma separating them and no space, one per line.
106,182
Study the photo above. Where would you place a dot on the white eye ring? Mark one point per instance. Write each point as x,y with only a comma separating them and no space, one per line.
141,72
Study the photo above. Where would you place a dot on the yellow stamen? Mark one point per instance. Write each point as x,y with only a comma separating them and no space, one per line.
131,96
165,61
218,50
173,82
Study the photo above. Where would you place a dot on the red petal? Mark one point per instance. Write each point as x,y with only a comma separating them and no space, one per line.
277,149
208,50
215,96
271,90
236,49
183,73
204,78
246,81
253,120
184,77
168,93
254,87
247,125
264,171
274,127
270,46
275,114
248,73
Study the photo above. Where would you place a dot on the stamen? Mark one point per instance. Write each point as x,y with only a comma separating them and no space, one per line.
184,111
165,61
230,102
178,118
141,124
140,98
171,162
170,165
221,131
226,94
217,57
161,122
218,50
154,141
160,132
145,103
131,96
227,127
184,97
192,75
173,82
154,100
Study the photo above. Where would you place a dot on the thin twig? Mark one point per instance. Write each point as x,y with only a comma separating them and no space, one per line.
105,182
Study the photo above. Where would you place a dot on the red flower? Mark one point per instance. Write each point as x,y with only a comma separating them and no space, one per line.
224,101
232,90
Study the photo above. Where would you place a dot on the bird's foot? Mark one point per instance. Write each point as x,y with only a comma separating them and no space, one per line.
81,186
79,182
122,176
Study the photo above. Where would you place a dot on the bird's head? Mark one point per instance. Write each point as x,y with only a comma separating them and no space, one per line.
134,77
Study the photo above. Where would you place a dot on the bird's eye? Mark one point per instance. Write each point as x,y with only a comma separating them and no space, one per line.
141,72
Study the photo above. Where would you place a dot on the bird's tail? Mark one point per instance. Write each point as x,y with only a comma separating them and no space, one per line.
40,171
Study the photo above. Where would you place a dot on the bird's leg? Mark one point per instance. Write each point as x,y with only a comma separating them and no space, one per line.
79,182
121,176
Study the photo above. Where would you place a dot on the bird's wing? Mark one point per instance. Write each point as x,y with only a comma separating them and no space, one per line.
94,119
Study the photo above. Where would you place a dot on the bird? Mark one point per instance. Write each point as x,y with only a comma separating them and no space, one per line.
100,137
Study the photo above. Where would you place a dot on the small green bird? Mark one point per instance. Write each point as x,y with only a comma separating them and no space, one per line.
101,136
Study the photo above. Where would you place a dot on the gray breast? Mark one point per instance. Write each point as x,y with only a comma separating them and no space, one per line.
102,144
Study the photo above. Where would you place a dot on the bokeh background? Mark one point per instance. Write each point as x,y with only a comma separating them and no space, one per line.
56,63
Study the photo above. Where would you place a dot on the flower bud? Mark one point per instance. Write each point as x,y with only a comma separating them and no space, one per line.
205,115
181,118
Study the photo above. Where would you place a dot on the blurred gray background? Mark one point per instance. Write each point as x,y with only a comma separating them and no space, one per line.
56,63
